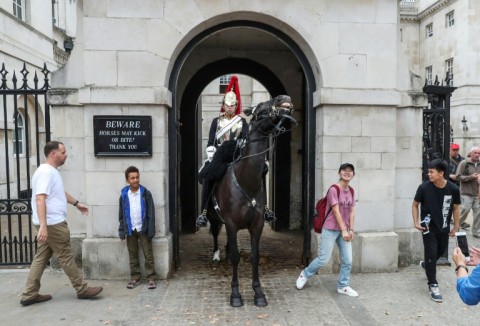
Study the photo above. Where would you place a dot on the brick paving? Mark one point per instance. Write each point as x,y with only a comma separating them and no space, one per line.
198,294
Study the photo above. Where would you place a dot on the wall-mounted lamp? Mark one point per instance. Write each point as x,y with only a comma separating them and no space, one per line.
464,122
68,45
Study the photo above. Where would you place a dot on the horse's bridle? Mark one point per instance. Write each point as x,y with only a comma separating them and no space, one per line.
281,111
273,112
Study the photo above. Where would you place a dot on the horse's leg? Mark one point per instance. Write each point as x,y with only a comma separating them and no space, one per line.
235,297
255,234
215,229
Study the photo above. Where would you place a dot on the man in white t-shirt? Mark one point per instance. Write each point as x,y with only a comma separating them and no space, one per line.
49,208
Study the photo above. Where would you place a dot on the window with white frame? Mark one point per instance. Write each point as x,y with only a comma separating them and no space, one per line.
449,70
429,30
19,9
428,75
20,132
224,80
449,19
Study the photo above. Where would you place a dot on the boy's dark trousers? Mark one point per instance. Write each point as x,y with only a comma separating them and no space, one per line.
434,246
146,244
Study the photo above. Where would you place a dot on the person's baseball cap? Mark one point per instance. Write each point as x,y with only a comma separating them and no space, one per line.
454,146
346,166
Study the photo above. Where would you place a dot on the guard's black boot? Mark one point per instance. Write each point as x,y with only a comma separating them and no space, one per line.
269,215
202,219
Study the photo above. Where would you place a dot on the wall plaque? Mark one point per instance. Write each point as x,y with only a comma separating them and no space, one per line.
121,135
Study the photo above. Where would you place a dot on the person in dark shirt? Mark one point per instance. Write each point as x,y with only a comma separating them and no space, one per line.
455,159
438,199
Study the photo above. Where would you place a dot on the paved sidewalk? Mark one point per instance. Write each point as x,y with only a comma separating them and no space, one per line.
385,299
198,294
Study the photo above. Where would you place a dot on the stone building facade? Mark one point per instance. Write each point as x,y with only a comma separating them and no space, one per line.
35,38
440,36
32,36
354,70
147,59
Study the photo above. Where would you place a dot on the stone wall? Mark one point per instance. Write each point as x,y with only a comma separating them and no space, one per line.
122,63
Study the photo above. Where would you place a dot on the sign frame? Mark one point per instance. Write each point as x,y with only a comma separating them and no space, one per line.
122,136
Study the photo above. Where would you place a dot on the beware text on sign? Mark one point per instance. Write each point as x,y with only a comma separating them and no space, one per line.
120,135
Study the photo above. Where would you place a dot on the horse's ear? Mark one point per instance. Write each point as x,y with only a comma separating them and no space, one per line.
248,111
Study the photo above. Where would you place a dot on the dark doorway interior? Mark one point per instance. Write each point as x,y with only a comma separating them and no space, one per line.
189,115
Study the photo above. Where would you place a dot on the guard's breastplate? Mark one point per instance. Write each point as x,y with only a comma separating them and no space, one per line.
234,132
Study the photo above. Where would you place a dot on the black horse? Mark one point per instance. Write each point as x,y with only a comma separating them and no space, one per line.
240,194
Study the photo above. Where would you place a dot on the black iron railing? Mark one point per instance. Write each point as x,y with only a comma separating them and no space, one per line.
23,150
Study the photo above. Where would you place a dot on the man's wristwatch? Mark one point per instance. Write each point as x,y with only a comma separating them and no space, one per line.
461,266
75,203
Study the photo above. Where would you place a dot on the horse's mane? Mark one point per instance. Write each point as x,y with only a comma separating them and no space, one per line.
216,169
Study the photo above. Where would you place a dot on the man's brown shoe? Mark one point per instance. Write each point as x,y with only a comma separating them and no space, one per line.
39,298
89,292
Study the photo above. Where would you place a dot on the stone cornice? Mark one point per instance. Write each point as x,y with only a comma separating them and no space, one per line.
407,16
109,95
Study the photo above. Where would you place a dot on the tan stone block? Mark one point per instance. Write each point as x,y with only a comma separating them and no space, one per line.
104,61
116,35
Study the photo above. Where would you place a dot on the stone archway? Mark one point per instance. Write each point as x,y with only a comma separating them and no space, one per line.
290,59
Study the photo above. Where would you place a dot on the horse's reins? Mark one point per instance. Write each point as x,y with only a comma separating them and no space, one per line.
279,130
252,202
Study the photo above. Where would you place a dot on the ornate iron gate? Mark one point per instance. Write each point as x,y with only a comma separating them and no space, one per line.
25,130
436,123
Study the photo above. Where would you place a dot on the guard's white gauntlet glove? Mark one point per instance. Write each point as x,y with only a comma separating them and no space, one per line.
210,152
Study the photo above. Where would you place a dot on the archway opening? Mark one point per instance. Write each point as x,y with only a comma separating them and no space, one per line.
191,124
275,60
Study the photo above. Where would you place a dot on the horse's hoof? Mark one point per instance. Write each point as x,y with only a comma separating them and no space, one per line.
260,301
236,301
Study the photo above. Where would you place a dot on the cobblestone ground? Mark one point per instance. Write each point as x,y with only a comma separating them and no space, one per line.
198,293
278,251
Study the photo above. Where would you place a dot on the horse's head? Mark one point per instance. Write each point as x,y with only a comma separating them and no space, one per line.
270,114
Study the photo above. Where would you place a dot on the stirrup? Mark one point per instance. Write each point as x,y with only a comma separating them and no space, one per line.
269,215
202,219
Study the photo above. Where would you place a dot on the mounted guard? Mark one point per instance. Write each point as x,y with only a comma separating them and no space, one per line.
230,125
239,194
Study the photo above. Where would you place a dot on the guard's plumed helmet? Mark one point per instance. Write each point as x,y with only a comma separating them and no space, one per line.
232,96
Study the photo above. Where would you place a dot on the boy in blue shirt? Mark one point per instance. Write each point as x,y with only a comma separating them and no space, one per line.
137,225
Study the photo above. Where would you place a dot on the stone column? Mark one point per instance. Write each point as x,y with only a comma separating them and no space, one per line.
98,180
360,127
